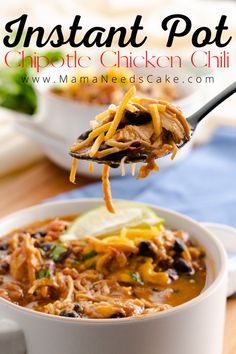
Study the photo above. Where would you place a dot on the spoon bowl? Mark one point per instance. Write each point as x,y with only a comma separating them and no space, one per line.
137,154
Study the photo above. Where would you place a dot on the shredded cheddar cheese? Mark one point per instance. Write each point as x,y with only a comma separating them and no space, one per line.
156,119
96,145
119,112
107,189
73,170
149,126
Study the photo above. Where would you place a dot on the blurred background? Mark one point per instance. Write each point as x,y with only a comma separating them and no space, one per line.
38,121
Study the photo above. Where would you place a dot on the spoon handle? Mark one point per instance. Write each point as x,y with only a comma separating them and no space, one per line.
196,117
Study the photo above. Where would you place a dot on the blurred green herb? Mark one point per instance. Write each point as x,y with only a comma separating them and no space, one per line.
14,94
89,255
76,263
17,94
57,252
43,273
136,277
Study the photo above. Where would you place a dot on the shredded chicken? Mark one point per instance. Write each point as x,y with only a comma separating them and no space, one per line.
26,260
128,273
139,129
133,133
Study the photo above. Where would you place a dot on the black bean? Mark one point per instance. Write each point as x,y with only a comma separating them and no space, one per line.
164,265
145,249
38,234
4,246
4,267
77,308
63,256
117,315
71,314
137,118
182,266
178,246
42,233
46,247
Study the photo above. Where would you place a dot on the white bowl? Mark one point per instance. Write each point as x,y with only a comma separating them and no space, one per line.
197,324
68,118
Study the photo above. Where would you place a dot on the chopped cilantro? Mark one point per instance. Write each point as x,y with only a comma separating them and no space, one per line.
57,253
136,277
89,255
43,273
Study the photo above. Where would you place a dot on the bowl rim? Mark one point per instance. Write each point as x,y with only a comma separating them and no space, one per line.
45,90
179,102
220,277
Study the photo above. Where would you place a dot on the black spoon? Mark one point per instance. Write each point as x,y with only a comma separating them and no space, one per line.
198,116
138,155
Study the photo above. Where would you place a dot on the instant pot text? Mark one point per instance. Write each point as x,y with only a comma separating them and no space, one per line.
176,25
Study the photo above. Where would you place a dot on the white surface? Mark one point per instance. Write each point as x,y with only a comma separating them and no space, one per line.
227,236
16,151
11,338
197,324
